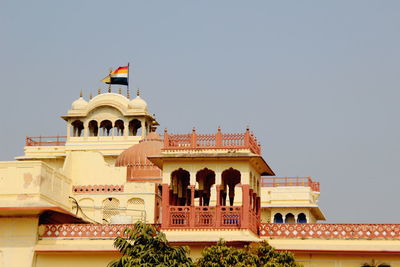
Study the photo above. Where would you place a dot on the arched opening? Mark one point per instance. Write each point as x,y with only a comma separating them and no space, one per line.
135,128
77,128
206,179
230,178
135,207
119,128
278,218
289,218
105,128
110,209
93,128
302,218
180,180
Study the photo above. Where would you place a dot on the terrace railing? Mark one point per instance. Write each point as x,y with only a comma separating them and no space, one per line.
221,217
290,181
45,140
211,141
330,231
82,231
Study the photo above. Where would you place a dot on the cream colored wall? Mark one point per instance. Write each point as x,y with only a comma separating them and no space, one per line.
76,259
137,190
33,184
41,152
89,168
18,237
344,260
288,195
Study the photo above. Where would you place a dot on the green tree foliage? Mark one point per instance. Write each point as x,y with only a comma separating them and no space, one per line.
145,246
257,254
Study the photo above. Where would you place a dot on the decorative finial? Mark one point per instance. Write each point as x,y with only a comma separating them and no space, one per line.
128,94
90,96
219,128
99,91
120,91
138,92
80,94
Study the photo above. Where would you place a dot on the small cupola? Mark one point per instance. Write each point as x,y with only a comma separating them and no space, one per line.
138,104
80,103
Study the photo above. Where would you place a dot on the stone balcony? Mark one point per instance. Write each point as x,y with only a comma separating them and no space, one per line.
31,186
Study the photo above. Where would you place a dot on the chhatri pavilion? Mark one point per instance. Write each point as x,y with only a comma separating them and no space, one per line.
64,201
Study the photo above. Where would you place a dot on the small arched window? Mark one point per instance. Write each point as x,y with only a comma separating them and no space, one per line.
289,218
278,218
302,218
77,128
110,208
119,128
135,127
105,128
93,128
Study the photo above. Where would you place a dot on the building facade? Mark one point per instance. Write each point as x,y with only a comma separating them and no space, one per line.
65,200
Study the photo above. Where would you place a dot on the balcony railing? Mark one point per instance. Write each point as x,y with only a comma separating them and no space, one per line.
330,231
290,181
211,141
45,140
222,217
89,231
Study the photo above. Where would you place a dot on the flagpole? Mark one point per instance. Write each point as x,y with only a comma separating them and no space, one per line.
128,78
109,85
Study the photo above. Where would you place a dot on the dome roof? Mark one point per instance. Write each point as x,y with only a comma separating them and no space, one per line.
138,103
135,158
80,103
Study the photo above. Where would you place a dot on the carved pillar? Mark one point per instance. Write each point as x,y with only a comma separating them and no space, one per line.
192,191
245,206
218,189
68,130
192,215
218,208
165,206
142,123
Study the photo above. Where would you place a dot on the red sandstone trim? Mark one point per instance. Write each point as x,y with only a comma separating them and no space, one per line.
95,231
81,189
330,231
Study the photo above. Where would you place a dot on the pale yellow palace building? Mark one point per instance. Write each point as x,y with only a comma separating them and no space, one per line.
64,201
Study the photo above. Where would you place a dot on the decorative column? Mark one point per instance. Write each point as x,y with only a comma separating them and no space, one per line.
218,208
142,123
192,215
68,130
245,206
85,130
165,206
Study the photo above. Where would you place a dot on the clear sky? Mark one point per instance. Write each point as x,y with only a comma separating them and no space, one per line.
317,81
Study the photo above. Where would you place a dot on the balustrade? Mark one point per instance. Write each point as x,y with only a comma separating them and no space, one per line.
330,231
45,140
211,141
90,231
290,181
